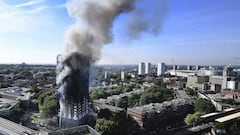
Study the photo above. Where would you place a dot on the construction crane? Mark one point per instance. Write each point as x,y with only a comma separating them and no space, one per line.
174,68
175,73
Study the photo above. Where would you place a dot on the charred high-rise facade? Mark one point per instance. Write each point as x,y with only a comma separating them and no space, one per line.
73,83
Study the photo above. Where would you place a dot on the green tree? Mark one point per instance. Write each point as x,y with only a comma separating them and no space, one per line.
147,98
105,113
4,85
122,102
204,105
115,91
133,100
49,108
127,89
35,89
106,127
191,92
47,103
230,128
155,95
97,94
113,102
159,82
191,118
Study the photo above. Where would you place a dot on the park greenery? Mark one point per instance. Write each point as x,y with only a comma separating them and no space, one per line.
109,123
47,103
4,85
204,105
192,118
201,107
154,94
97,94
230,128
106,127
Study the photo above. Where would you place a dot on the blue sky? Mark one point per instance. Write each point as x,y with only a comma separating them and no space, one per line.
193,32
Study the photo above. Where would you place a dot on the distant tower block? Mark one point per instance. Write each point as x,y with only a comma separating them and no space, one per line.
228,71
197,67
189,67
161,68
106,75
123,75
141,68
148,68
73,94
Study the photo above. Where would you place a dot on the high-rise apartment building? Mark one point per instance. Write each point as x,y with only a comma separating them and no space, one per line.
141,68
148,68
161,69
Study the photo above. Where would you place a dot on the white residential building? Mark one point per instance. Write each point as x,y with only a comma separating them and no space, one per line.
123,75
148,68
106,75
141,68
161,69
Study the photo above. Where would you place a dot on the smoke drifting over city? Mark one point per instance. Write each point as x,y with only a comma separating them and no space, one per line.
94,21
85,39
148,19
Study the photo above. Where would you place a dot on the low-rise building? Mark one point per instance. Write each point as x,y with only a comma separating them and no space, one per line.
116,97
9,99
8,106
234,94
197,82
160,114
216,82
218,100
10,128
80,130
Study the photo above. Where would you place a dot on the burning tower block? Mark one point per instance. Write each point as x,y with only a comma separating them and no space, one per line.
73,92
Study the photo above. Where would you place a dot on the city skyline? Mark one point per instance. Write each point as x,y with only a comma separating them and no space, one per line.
192,32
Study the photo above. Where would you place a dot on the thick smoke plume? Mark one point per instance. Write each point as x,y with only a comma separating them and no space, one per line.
94,20
93,28
85,39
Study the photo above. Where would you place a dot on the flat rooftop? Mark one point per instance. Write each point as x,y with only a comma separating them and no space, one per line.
10,128
182,94
111,108
209,115
228,117
217,77
159,107
22,93
229,109
6,104
80,130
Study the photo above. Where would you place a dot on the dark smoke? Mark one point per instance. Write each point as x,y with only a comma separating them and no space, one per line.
93,27
83,44
77,81
94,21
